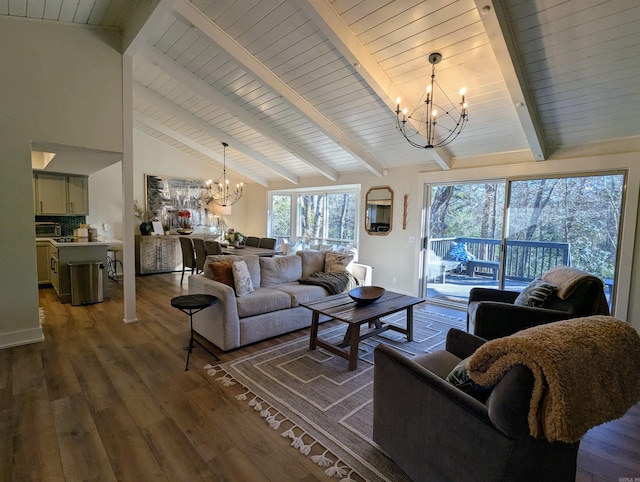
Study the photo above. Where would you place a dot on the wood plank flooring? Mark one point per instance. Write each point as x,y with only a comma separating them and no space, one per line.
102,400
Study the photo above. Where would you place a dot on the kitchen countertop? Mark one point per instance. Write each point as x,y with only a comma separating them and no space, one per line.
100,242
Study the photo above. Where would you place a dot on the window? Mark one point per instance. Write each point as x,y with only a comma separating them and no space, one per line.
505,233
315,217
280,216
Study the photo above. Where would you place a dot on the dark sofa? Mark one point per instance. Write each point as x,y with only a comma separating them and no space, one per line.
434,431
491,313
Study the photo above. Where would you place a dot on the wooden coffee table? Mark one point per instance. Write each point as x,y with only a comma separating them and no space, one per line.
342,308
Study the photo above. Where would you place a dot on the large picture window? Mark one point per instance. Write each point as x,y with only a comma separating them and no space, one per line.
315,218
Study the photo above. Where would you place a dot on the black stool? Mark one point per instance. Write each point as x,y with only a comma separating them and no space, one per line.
112,263
192,304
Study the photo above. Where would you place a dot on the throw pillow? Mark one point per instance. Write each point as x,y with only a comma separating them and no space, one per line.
336,262
221,271
280,269
459,378
459,252
535,294
242,278
312,261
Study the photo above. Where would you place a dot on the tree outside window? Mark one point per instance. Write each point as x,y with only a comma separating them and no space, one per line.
281,216
322,217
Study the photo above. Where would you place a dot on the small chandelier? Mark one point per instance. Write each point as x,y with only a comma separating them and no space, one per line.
222,192
421,123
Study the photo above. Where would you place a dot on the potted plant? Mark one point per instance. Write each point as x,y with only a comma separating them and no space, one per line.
184,222
146,216
234,237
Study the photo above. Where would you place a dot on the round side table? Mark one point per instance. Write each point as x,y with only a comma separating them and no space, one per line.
192,304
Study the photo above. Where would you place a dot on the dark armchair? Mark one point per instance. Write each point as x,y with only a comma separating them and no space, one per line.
434,431
491,313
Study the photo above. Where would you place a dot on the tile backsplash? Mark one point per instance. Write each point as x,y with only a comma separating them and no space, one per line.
67,223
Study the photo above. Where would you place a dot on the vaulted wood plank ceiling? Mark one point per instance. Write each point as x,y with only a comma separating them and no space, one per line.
302,88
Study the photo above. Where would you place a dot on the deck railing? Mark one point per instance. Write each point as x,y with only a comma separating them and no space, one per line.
524,260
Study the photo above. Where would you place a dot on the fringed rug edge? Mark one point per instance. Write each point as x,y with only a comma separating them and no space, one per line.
334,468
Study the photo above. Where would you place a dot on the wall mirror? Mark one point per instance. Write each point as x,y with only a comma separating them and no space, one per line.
379,211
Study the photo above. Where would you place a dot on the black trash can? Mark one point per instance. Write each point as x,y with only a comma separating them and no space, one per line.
86,282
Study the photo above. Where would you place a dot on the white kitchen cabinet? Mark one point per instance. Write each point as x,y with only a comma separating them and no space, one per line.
50,193
157,254
42,256
78,198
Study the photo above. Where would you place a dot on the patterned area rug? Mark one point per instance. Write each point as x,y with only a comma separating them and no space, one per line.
326,410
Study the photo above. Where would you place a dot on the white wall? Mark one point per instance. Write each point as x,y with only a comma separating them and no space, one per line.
61,83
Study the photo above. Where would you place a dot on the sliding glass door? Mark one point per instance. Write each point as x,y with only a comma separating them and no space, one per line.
465,235
571,221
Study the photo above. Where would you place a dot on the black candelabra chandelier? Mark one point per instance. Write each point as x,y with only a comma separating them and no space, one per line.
222,192
430,122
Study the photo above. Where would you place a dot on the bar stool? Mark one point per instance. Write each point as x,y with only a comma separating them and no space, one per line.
112,262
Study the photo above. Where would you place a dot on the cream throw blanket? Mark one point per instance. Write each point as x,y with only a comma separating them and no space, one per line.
586,371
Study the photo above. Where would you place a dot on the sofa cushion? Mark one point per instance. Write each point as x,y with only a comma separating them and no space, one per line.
535,294
262,300
312,261
280,269
301,293
440,362
337,262
241,277
220,271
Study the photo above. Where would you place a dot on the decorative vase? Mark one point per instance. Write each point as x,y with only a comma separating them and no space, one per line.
146,228
184,231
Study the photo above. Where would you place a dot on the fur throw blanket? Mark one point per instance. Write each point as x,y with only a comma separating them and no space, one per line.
586,372
334,283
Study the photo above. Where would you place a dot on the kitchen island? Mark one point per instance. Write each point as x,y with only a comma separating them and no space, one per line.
63,251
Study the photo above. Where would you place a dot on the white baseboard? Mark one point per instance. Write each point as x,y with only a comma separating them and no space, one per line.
22,337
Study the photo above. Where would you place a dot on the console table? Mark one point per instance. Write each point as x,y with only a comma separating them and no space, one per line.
158,254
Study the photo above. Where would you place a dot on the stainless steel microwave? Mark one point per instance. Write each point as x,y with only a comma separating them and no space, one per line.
47,230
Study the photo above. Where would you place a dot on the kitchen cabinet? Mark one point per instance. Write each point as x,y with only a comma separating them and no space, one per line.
42,257
61,256
78,195
50,193
157,254
54,272
60,194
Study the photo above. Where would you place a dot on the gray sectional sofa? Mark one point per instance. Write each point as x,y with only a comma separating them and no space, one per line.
273,308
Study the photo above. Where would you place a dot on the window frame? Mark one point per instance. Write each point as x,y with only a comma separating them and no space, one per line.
325,191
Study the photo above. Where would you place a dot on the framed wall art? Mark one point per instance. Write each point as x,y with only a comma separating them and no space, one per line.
165,196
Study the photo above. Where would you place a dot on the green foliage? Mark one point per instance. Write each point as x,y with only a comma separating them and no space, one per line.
281,216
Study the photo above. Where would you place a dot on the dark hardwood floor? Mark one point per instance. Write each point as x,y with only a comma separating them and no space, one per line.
103,400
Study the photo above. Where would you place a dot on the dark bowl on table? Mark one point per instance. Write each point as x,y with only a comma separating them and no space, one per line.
364,295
